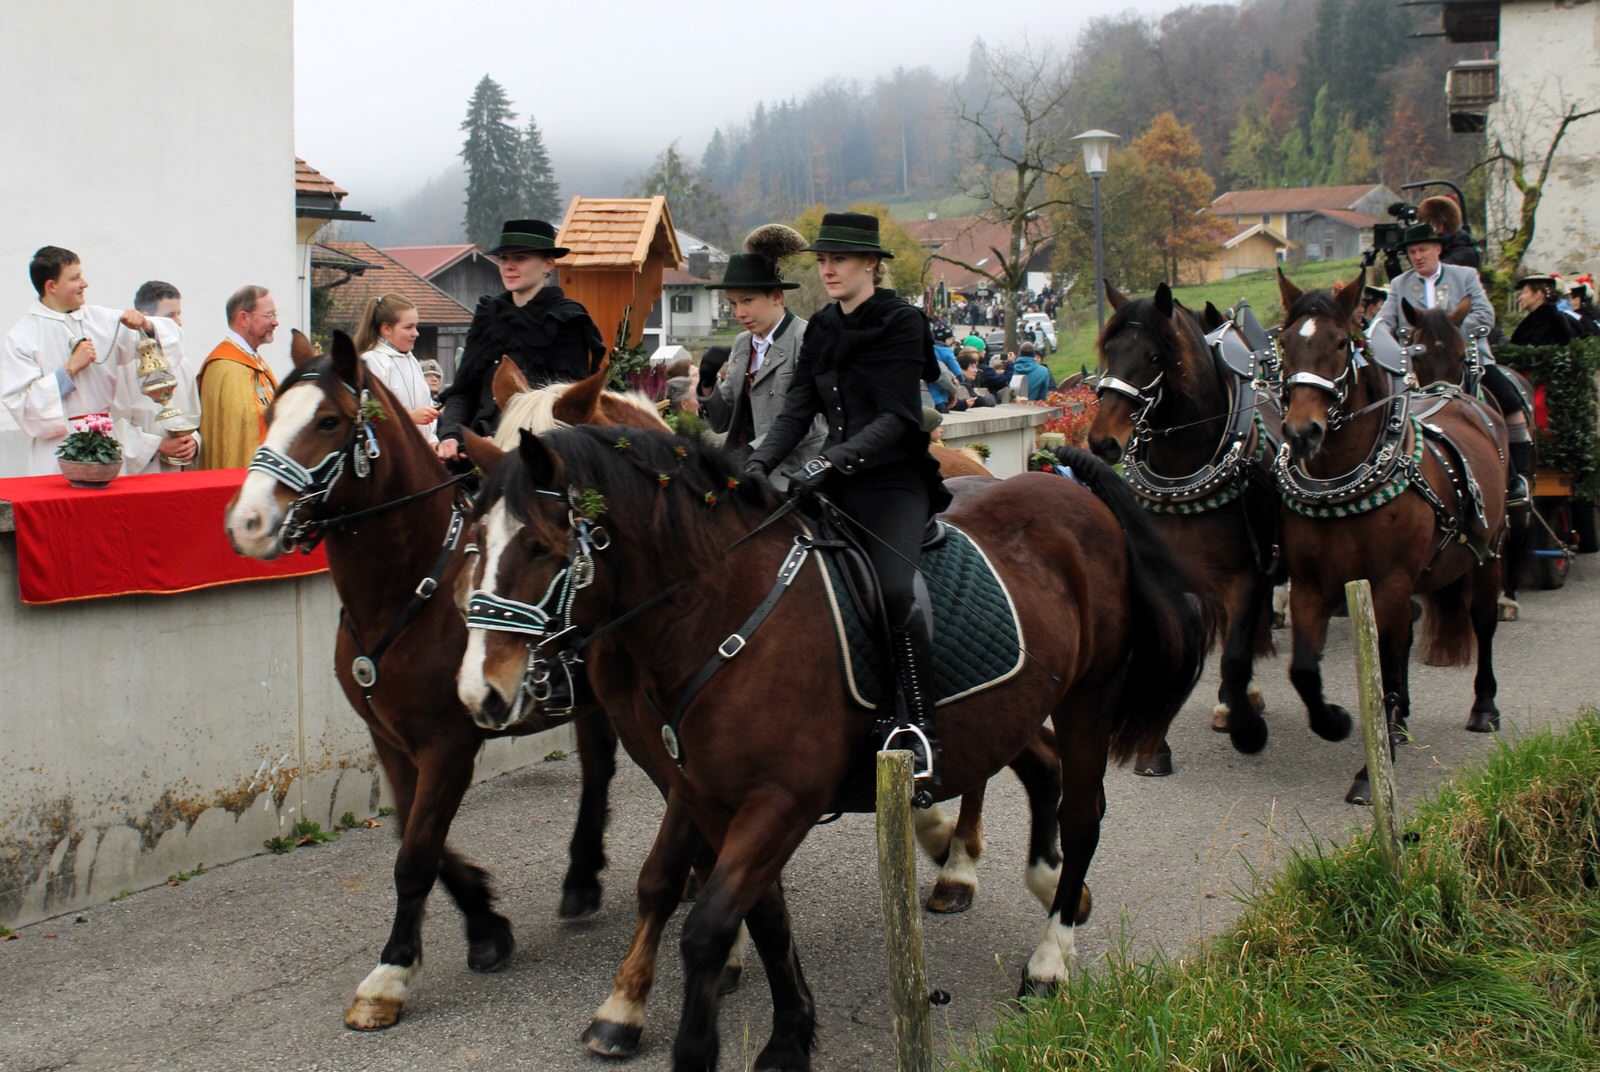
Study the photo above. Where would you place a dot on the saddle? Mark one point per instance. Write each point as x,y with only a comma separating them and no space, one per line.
1473,519
977,635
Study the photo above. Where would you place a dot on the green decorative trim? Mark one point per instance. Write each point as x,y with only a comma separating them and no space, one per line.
1381,496
1567,374
591,505
847,234
520,238
372,410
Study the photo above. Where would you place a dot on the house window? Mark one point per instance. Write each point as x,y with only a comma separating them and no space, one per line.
683,303
1266,221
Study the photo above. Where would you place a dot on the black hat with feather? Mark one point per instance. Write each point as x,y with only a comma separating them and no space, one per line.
757,267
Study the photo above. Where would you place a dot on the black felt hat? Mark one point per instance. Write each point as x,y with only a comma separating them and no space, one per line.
751,271
1537,279
849,232
1418,233
528,236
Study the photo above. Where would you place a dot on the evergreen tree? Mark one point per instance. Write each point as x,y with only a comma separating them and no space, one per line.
490,154
541,196
694,205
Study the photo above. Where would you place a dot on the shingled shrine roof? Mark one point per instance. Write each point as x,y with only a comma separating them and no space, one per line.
617,232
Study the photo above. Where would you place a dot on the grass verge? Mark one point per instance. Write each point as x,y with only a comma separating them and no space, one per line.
1485,956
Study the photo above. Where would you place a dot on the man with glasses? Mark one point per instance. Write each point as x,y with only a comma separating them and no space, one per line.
236,386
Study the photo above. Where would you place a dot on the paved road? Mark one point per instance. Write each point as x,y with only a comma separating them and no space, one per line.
249,966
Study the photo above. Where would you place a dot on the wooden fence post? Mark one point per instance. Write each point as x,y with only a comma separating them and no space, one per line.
902,916
1375,724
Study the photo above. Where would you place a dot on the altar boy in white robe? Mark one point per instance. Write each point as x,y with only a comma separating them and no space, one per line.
145,443
58,365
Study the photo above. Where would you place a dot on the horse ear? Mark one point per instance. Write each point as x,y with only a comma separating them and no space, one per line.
1164,300
483,453
1459,314
543,467
508,381
1212,318
346,362
1409,311
1114,297
580,403
300,348
1349,296
1288,293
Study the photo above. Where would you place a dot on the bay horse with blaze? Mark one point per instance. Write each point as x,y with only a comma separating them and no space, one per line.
611,527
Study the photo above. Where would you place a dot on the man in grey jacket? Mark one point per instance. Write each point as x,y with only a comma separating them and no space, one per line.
753,382
1430,284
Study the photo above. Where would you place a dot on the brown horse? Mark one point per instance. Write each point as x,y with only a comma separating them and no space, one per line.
1197,458
1440,366
1371,491
607,528
955,845
339,449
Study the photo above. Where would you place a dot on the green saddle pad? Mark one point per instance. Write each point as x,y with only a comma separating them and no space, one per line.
977,638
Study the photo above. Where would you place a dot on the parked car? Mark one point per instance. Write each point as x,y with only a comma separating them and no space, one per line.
1043,329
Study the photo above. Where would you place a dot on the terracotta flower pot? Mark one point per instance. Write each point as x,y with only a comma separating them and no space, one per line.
90,474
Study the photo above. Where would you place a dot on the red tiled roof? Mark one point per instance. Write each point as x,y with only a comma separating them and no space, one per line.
973,242
429,261
1291,199
386,276
936,232
617,232
308,180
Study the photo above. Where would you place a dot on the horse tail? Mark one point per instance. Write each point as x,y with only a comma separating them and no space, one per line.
1447,634
1171,625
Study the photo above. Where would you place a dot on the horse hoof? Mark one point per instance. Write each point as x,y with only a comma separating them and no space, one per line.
1483,722
948,898
732,976
1038,988
1280,621
610,1039
787,1057
1360,793
1334,725
490,952
1251,736
372,1014
579,902
1157,765
1508,609
1219,718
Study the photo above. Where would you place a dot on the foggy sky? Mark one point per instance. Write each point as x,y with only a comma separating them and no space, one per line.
381,86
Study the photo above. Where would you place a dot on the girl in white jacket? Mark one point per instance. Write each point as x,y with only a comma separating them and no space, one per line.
385,339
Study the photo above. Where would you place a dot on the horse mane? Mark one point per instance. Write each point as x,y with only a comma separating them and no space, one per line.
1316,303
534,410
659,488
1178,334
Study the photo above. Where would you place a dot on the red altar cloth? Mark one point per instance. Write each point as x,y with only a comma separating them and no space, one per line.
143,535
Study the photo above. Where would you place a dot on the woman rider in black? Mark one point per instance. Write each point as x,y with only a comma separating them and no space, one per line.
862,363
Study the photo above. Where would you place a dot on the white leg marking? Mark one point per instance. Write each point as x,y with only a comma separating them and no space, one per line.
387,982
1042,880
1056,951
619,1010
1219,717
257,504
471,685
959,869
1280,599
1257,699
736,954
934,829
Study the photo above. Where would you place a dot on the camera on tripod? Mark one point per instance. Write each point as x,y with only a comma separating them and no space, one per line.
1388,239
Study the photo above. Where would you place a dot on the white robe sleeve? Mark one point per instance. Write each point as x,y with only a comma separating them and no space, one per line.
28,388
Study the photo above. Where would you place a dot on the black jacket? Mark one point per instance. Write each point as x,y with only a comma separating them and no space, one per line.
1457,247
1546,326
862,371
551,339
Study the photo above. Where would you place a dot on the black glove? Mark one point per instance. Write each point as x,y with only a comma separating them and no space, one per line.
807,479
755,468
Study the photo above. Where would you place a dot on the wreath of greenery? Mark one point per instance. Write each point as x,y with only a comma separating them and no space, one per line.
1567,374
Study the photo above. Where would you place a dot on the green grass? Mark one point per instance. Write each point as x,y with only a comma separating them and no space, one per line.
1077,329
304,832
1485,956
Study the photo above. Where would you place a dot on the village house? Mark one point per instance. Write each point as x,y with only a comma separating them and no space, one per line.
463,270
1545,64
442,320
1319,223
973,241
687,311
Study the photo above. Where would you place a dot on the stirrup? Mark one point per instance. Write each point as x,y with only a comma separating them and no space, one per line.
1519,494
917,737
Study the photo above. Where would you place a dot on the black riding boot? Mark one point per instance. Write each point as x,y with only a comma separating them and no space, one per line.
913,727
1521,489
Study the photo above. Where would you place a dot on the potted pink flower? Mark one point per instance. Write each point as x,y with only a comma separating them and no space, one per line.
91,457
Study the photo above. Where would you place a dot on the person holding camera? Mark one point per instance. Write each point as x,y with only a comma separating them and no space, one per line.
1456,245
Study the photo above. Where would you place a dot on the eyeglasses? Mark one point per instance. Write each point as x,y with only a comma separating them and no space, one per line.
266,316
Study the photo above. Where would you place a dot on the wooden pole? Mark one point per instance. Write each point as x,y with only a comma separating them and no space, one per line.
1375,724
902,916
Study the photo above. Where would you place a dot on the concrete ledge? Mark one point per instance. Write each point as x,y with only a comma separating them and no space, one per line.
1008,431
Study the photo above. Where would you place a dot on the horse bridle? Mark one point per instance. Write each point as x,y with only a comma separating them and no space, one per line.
313,486
1338,387
1144,399
498,614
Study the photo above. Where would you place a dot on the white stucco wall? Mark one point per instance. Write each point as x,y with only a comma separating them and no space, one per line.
155,140
1549,62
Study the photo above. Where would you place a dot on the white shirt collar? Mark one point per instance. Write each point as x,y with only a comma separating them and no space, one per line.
238,340
41,309
382,346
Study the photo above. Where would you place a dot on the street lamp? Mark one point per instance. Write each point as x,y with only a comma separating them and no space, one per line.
1096,157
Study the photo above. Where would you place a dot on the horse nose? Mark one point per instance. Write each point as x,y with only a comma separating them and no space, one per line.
493,713
1106,448
1305,440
